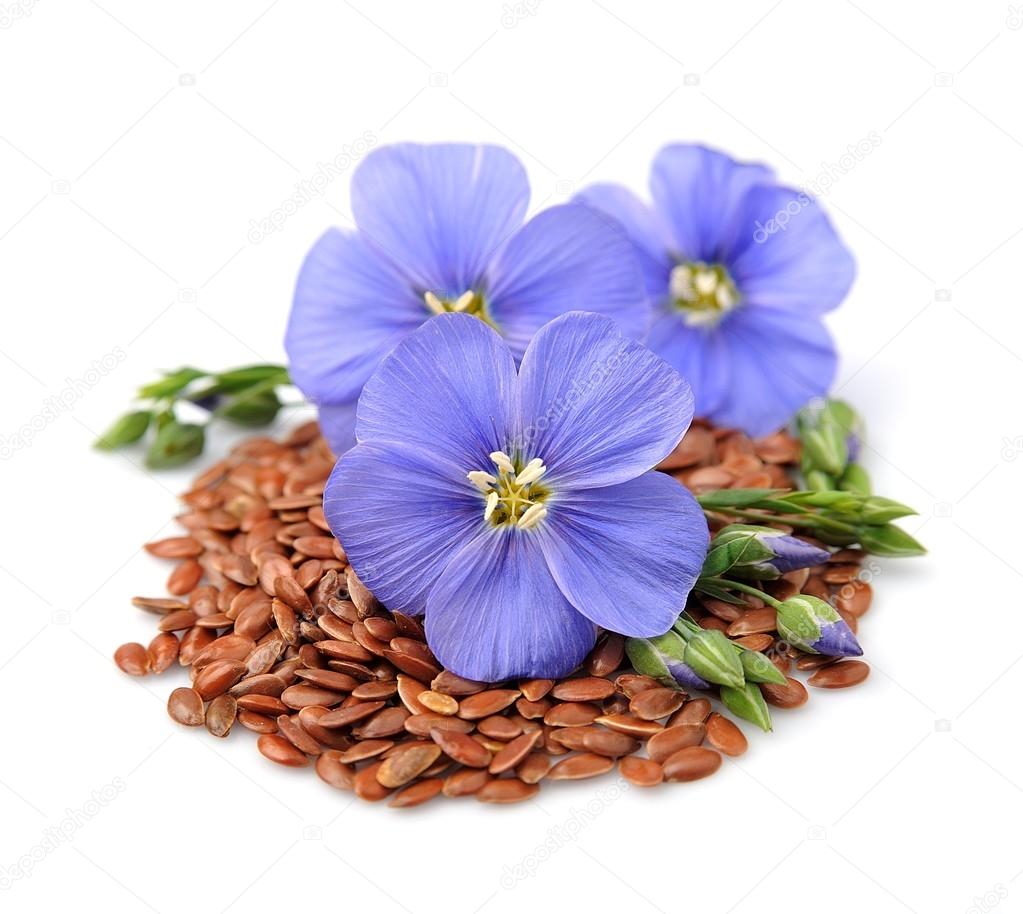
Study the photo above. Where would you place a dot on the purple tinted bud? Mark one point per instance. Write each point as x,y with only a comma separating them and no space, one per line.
684,675
791,553
852,446
837,640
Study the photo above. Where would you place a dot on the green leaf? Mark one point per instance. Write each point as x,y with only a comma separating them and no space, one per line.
711,655
238,379
176,443
889,540
855,479
251,409
645,658
748,703
735,498
759,668
126,430
170,384
877,510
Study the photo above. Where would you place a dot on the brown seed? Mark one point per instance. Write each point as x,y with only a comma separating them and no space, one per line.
725,736
262,684
415,666
174,547
305,696
499,727
754,621
337,682
535,689
258,723
158,605
840,675
226,647
132,658
344,650
854,598
360,594
365,749
840,574
345,716
221,714
461,747
670,740
278,749
483,704
388,722
633,726
608,742
571,714
607,656
162,651
465,781
333,771
691,764
791,695
532,710
416,794
184,578
288,590
584,765
641,772
297,736
692,712
758,642
631,684
653,704
422,724
437,702
506,790
192,643
285,620
178,620
590,688
368,787
514,752
262,704
727,612
309,719
185,707
372,691
534,767
218,677
408,764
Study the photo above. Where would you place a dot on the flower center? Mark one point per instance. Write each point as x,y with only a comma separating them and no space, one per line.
469,302
703,292
514,496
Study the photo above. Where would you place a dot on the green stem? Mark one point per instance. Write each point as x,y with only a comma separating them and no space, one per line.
813,521
743,588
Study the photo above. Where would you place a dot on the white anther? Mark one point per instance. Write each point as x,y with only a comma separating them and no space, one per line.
724,297
492,501
531,472
434,303
463,301
503,461
705,282
532,516
481,479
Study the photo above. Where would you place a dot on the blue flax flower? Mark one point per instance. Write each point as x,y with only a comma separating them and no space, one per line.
516,508
440,228
740,270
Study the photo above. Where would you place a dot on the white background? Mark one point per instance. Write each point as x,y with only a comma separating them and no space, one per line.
138,141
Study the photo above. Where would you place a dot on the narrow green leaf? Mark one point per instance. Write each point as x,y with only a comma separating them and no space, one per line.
748,703
889,540
126,430
176,443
